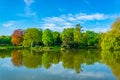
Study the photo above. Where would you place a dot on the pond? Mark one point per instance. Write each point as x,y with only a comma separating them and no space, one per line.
61,65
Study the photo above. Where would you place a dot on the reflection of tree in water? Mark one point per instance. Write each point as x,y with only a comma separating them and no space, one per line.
16,58
47,60
5,53
50,58
75,58
112,59
32,60
71,59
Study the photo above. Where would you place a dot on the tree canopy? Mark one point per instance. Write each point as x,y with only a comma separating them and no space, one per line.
111,39
32,36
69,38
17,37
47,38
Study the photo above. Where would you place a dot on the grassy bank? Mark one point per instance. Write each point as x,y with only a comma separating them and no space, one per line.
41,48
10,47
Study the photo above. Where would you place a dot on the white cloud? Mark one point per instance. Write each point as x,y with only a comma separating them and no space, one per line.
96,16
54,19
28,2
99,29
9,24
28,11
70,20
55,27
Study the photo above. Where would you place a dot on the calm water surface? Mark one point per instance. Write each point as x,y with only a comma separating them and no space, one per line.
67,65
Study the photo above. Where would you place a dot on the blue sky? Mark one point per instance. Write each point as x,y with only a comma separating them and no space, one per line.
96,15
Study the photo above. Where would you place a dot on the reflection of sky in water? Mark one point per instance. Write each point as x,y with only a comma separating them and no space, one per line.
55,72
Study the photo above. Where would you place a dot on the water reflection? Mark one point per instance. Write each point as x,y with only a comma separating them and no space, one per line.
16,57
5,53
72,59
112,59
31,60
86,63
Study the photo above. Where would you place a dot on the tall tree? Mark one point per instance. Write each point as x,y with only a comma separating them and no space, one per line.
92,38
116,25
32,37
77,35
17,37
68,38
47,38
56,37
111,39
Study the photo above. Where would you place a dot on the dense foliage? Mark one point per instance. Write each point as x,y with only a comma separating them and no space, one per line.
5,40
111,39
77,35
17,37
47,38
68,38
33,36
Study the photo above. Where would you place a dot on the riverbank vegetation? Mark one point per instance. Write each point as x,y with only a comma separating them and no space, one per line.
69,38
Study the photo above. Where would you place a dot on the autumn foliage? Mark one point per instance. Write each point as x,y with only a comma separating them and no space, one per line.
17,37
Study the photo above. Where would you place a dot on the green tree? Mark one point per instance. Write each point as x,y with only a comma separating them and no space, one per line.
5,40
47,38
84,40
56,37
92,38
77,35
111,39
68,38
32,37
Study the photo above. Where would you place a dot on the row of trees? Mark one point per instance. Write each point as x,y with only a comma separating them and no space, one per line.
69,38
5,40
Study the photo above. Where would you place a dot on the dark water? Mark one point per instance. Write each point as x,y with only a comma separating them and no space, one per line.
67,65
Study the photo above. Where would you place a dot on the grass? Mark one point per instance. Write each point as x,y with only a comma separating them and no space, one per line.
10,47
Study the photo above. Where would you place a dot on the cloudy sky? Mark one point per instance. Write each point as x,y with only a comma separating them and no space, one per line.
96,15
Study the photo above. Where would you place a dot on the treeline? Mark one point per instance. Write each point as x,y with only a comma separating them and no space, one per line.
68,38
5,40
